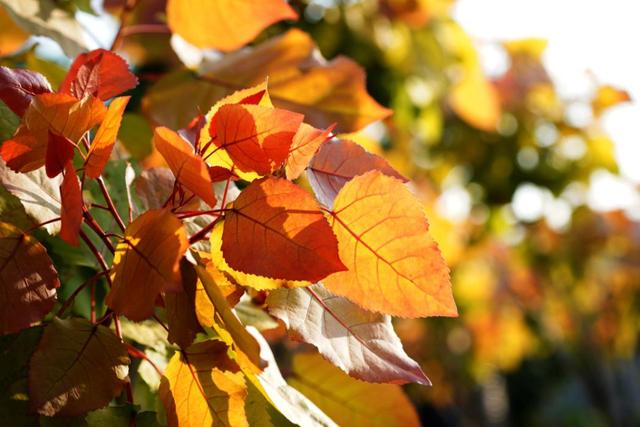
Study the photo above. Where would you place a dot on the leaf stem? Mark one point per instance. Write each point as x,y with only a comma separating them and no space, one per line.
93,224
110,205
67,303
96,253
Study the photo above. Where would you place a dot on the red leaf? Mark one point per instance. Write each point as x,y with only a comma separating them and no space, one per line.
305,144
99,73
337,163
17,87
59,153
189,169
257,138
276,229
23,153
105,139
71,198
218,173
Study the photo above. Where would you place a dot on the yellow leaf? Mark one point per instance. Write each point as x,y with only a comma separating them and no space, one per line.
476,101
203,387
350,402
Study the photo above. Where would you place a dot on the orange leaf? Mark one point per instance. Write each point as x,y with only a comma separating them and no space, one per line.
29,280
55,113
181,309
476,101
395,267
203,387
100,73
222,24
147,262
105,138
305,144
189,169
325,92
337,163
276,229
71,215
257,138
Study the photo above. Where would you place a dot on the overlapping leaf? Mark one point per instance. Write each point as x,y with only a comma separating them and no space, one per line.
180,308
188,168
71,214
146,262
18,87
361,343
256,138
203,387
348,401
39,194
100,73
28,279
288,235
305,144
224,25
90,368
337,163
105,138
394,265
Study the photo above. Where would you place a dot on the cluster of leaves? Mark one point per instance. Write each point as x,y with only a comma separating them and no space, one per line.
218,217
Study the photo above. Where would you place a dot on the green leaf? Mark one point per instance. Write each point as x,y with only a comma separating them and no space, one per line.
8,122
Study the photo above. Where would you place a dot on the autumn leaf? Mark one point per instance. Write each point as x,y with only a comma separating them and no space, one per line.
18,87
146,262
188,168
11,36
283,225
38,194
204,308
50,113
100,73
180,308
337,163
292,404
326,92
203,387
28,279
256,138
71,214
224,25
348,401
105,138
225,322
361,343
91,367
476,101
305,144
394,265
59,153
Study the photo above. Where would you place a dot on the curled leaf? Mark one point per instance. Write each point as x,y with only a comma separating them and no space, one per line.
18,87
305,144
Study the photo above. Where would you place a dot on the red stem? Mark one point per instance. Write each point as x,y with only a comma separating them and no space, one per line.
92,223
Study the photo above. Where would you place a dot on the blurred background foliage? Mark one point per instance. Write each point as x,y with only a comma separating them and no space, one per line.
547,287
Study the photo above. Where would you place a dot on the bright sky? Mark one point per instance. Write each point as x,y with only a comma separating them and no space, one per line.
600,36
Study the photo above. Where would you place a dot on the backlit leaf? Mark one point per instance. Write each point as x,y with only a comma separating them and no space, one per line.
105,138
146,262
59,153
395,267
91,367
28,279
349,401
361,343
305,144
203,387
98,73
326,92
222,24
476,101
45,18
71,214
256,138
18,87
188,168
337,163
180,307
39,194
287,232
